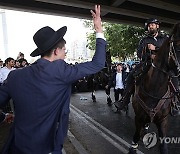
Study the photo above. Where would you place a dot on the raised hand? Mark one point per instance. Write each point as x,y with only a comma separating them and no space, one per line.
97,19
9,118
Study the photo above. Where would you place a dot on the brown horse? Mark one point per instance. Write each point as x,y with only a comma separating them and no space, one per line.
153,94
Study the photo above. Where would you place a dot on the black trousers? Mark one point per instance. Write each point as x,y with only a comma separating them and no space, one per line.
118,92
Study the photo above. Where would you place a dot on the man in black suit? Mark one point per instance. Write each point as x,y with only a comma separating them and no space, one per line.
118,81
41,92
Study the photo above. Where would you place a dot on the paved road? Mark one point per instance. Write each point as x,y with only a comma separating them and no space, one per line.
95,128
99,129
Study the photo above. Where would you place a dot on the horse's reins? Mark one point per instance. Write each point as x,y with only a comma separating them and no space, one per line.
152,112
155,97
172,53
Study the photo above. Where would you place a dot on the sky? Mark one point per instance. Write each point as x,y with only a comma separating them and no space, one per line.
21,26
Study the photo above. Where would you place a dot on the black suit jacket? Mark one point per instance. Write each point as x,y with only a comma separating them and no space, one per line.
41,94
112,82
2,117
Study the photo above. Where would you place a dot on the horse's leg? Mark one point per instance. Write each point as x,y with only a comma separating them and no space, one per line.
162,130
109,101
144,130
94,84
136,137
93,96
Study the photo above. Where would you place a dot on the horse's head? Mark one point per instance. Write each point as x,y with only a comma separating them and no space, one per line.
175,44
169,53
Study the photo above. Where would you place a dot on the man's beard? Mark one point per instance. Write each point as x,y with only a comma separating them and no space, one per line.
153,31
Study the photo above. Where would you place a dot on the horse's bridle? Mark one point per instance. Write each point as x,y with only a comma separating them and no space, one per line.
173,55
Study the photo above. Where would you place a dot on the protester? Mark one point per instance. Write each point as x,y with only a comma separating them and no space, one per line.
118,81
41,92
9,66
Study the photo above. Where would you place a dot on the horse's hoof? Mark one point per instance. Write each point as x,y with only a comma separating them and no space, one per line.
132,151
93,98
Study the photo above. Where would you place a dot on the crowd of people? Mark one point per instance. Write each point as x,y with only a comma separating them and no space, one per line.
6,112
11,64
84,84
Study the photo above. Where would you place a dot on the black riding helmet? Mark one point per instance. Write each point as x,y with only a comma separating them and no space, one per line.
151,20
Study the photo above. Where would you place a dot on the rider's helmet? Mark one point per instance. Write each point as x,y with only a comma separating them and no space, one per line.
151,20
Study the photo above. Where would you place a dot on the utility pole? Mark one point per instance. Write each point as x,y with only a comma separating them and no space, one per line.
4,35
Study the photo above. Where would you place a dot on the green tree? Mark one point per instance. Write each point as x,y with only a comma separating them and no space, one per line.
122,39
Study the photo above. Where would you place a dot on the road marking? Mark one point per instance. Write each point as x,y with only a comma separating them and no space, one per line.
63,151
84,117
76,144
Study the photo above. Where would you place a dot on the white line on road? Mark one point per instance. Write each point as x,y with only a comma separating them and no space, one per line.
63,151
76,144
122,149
82,114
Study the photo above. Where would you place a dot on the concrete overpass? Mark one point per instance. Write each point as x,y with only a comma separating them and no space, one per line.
119,11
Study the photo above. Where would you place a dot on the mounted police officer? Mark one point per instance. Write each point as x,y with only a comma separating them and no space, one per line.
151,42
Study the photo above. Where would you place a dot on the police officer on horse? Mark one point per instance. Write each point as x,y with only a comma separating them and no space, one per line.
145,52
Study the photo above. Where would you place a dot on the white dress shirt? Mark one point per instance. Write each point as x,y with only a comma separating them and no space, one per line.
4,73
119,82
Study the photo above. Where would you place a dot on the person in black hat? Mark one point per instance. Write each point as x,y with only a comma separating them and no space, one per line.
44,88
153,40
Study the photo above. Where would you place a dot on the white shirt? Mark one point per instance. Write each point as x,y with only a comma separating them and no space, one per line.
4,73
119,82
100,35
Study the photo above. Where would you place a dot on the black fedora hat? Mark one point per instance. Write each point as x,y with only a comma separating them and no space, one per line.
45,38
